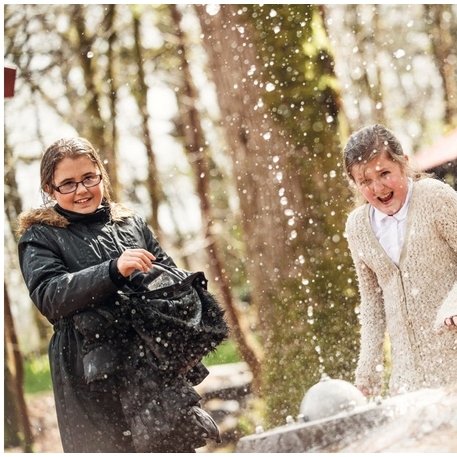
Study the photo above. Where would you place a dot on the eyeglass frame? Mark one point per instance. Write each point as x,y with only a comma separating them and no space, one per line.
77,183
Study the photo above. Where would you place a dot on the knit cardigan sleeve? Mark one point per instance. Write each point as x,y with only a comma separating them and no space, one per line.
369,371
446,208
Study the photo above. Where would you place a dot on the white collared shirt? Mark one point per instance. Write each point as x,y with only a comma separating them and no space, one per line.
390,230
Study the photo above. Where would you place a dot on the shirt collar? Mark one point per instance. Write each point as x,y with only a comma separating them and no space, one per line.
379,216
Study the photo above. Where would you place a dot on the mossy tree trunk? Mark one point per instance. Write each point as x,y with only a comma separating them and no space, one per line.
280,110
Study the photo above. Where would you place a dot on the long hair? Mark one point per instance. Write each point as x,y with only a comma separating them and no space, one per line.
72,148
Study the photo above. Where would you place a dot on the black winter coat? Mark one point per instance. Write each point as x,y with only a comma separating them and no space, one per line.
68,261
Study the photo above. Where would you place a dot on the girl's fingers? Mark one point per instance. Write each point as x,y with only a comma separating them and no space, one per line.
141,255
365,390
451,321
134,259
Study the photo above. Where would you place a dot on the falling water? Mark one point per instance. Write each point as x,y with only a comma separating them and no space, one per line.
421,421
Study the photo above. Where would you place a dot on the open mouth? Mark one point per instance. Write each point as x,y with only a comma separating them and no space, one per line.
387,198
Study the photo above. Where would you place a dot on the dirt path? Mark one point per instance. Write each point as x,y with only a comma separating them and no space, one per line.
43,420
228,381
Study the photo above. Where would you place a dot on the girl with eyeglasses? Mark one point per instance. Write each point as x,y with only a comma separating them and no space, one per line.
403,240
75,253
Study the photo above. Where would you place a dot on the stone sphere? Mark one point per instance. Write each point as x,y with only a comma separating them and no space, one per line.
329,397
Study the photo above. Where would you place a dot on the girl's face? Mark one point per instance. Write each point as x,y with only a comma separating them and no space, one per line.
383,183
82,200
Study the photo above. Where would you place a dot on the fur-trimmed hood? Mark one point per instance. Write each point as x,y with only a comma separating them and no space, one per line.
49,216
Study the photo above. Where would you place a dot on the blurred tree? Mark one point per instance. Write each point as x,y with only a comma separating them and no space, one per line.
443,33
13,203
196,148
13,207
17,424
140,93
366,68
279,108
109,28
390,61
80,40
79,91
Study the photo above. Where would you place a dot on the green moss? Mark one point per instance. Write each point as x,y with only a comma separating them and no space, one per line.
253,416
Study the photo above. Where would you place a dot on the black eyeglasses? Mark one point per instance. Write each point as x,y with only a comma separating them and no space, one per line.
71,186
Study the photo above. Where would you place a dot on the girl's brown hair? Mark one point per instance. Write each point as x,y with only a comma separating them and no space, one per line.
72,148
368,142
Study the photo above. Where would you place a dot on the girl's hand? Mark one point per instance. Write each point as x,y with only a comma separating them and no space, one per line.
134,259
367,392
451,322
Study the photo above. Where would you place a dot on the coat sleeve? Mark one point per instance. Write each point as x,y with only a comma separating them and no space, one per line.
153,246
57,292
447,228
369,371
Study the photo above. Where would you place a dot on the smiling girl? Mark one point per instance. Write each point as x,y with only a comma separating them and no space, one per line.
75,254
403,241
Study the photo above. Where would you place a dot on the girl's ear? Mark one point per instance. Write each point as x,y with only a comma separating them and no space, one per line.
49,190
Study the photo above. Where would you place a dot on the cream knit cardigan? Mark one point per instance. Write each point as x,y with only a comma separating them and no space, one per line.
412,300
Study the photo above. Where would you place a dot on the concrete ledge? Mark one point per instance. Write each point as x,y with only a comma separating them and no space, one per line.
307,437
354,430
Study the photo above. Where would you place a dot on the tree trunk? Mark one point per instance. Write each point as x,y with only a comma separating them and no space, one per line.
13,203
198,159
111,76
94,128
442,20
141,95
282,131
15,379
13,207
12,424
257,149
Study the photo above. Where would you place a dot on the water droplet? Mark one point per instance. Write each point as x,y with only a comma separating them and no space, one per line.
212,9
